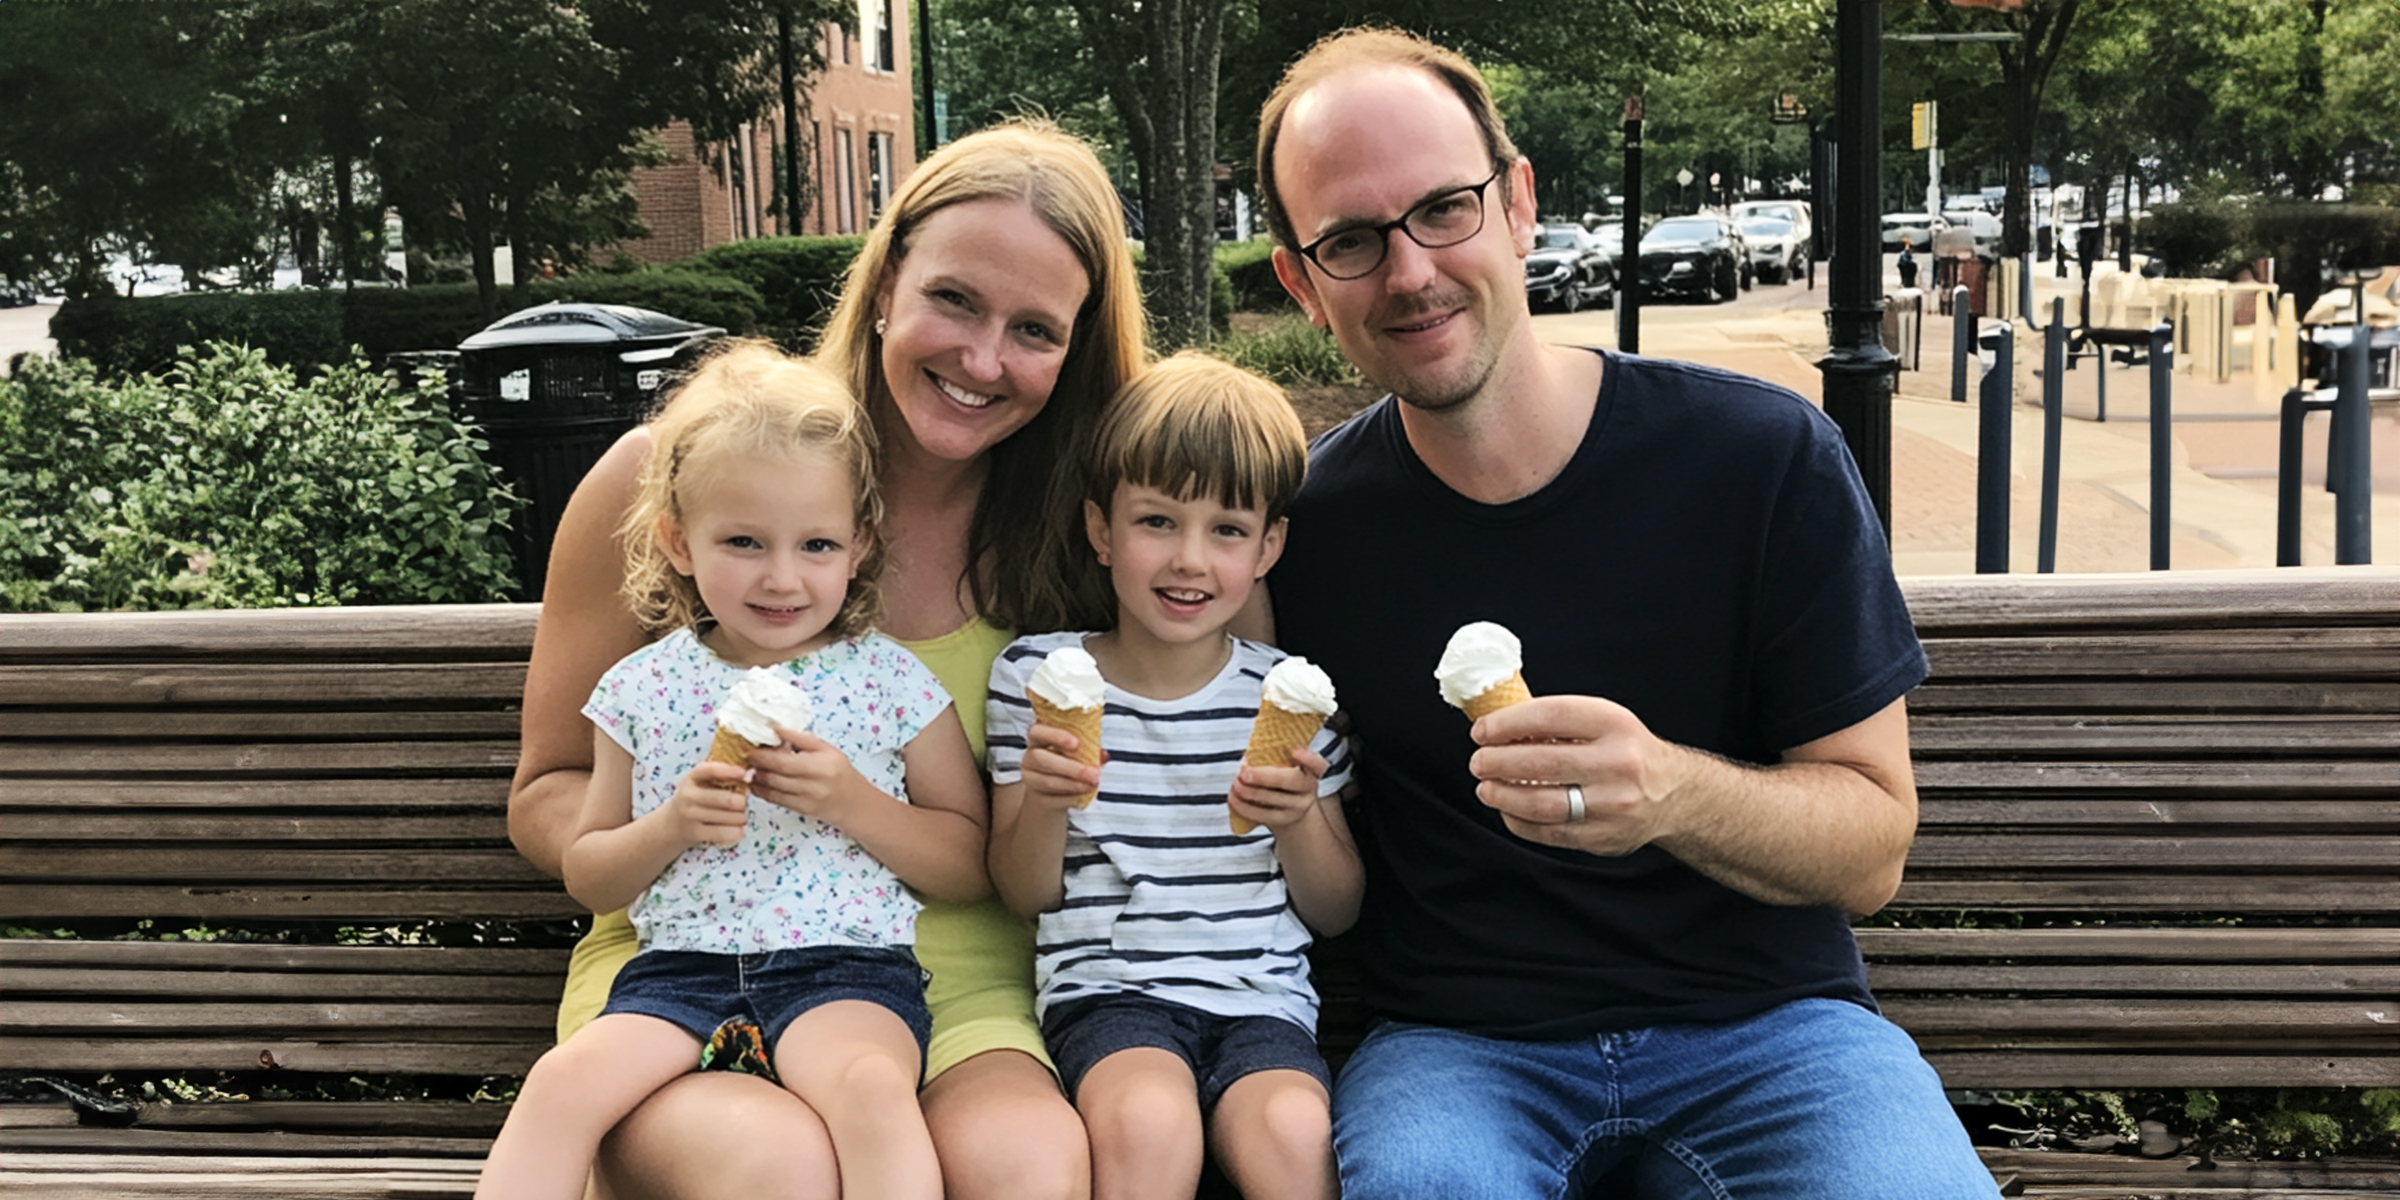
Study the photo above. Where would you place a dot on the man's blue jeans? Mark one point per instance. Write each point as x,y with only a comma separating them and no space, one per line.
1817,1099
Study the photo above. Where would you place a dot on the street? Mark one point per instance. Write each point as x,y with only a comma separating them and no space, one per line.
2226,435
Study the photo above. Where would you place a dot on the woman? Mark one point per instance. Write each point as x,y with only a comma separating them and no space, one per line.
989,317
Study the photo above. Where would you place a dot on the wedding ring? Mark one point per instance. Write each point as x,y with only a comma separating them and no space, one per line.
1574,804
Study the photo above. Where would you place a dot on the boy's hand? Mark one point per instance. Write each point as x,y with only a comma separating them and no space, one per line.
1278,797
1054,778
702,812
806,774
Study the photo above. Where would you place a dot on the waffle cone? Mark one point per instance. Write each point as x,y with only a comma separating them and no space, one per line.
1084,723
731,747
1511,690
1273,737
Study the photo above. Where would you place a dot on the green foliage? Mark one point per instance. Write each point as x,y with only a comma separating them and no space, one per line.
311,329
1249,269
226,483
2203,236
2222,1122
797,279
1291,352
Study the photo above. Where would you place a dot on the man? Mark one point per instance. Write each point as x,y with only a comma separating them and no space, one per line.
1604,945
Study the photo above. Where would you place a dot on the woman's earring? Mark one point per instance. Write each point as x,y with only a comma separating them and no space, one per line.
879,324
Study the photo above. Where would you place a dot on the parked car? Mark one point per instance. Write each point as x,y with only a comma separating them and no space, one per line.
1569,267
1699,255
1968,213
1916,227
1776,252
1797,212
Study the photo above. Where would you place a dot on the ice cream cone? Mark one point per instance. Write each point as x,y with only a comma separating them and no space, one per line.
1084,723
731,747
1273,737
1511,690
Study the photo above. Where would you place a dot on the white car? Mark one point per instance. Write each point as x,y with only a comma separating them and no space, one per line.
1915,227
1804,227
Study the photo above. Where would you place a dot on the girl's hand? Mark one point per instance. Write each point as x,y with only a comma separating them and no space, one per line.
1054,778
1278,797
806,774
702,812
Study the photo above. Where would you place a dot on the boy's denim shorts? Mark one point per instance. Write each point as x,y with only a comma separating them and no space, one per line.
1220,1050
697,992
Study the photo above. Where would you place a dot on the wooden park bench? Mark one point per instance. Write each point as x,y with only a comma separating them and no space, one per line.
2160,847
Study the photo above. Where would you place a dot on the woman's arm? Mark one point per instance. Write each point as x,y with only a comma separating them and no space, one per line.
585,627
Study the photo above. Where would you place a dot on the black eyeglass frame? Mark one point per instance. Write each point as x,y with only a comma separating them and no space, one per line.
1383,232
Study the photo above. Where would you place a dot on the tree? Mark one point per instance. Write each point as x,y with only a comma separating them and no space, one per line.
2042,28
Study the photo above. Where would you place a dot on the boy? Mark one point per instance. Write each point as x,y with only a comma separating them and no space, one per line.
1174,988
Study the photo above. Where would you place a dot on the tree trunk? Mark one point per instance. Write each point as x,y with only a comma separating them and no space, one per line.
1161,67
476,210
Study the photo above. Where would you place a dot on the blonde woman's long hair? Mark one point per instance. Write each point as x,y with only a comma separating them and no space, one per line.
748,399
1027,566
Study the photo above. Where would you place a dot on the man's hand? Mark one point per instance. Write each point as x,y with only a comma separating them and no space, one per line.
1626,775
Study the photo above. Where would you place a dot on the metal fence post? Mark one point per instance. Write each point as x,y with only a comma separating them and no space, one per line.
1991,455
2352,462
1962,342
2054,403
2162,440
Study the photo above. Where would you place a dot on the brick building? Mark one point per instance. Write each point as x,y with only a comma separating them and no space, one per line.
859,139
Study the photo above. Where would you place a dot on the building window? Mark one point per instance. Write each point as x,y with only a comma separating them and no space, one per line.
845,183
879,173
885,60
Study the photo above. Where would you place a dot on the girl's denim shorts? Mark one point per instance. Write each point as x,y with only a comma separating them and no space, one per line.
698,992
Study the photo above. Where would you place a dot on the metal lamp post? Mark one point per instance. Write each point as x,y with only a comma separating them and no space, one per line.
1860,373
1629,268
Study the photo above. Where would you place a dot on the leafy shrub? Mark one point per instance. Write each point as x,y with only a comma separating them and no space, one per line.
1250,268
797,279
1291,352
2228,1122
312,329
226,483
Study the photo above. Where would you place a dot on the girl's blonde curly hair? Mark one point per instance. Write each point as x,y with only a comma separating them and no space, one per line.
748,399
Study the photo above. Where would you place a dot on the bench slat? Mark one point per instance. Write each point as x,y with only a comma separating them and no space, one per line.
2239,777
2087,1069
488,792
1938,850
471,1020
257,956
151,725
416,1056
24,862
313,760
260,827
1942,604
36,902
1950,811
479,988
2155,894
2123,944
2281,654
2131,979
254,685
1941,696
2200,737
401,633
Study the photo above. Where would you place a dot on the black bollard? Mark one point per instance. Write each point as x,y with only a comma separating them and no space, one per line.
1991,455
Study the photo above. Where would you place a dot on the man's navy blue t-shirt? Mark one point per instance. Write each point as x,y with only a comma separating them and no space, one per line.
1709,559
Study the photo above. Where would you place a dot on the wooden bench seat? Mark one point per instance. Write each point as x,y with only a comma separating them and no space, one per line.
2159,847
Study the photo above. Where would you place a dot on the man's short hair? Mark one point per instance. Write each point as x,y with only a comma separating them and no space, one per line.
1337,52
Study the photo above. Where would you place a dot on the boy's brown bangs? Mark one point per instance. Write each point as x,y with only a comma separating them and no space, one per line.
1194,426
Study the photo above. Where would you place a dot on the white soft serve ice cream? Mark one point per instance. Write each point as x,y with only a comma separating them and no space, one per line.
1069,679
1479,656
764,699
1297,685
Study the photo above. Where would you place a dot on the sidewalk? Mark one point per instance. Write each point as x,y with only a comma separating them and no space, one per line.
2222,504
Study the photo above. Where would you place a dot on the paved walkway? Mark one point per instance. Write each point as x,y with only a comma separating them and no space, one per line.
2222,505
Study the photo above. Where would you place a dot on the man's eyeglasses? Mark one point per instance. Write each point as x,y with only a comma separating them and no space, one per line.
1444,220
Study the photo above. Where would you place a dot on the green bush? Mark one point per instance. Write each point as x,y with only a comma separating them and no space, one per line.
227,483
1291,352
2231,1122
797,279
313,329
1250,268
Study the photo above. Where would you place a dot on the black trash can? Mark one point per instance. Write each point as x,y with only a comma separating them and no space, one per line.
552,387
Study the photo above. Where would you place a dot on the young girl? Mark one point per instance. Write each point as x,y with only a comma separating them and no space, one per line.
756,538
1173,981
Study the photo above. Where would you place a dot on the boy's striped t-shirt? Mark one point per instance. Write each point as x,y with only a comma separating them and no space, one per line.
1162,897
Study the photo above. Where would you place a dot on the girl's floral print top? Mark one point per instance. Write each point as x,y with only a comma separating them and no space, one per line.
792,880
